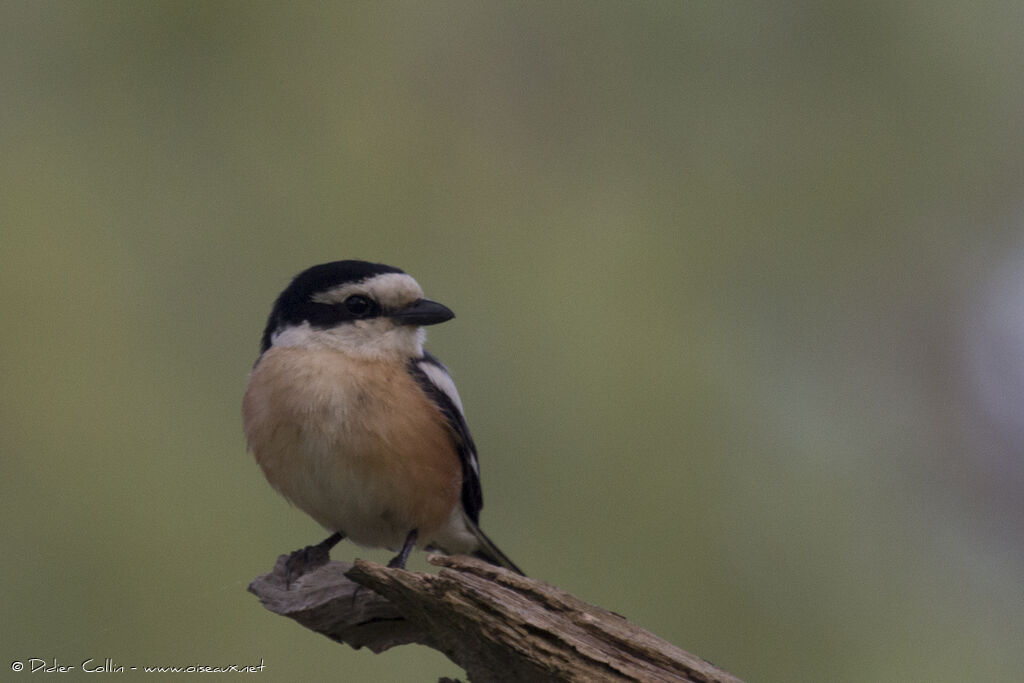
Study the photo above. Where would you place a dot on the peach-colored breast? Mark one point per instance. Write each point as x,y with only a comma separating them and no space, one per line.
353,443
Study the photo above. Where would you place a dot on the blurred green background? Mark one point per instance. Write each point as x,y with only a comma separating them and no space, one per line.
740,297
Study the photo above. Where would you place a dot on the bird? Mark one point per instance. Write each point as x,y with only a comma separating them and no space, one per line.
352,421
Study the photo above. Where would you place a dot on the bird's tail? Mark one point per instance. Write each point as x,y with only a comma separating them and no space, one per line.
490,552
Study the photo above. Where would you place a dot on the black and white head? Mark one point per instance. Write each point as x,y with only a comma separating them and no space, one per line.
365,309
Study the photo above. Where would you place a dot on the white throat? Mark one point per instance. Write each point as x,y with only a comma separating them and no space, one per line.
377,338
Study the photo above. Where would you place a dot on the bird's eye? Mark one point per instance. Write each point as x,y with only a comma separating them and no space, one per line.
358,305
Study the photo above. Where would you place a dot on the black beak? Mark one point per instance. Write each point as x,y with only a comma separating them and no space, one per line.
422,312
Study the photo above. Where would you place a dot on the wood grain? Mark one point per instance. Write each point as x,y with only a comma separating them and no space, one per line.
496,625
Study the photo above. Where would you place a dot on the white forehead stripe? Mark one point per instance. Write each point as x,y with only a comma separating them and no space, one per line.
391,290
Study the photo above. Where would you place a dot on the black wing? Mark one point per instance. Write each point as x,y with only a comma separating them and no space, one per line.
445,397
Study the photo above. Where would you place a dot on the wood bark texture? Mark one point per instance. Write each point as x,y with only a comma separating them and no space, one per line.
496,625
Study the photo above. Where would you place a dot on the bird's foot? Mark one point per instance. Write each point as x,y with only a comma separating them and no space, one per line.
396,562
303,561
399,560
307,559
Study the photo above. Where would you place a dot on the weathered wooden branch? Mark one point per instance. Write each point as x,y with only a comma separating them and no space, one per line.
495,624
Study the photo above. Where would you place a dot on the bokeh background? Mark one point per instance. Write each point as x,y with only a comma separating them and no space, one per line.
740,297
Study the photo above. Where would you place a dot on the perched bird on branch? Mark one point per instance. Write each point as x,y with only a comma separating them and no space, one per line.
355,424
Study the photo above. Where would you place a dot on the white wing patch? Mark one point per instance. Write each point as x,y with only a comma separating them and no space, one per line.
443,381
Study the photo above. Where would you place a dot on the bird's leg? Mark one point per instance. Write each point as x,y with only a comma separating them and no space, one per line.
309,558
398,561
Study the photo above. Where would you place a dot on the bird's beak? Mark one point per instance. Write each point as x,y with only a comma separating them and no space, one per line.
422,312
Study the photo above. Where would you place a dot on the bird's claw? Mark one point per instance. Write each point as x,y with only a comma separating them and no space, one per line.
305,560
